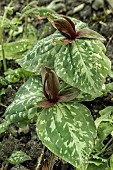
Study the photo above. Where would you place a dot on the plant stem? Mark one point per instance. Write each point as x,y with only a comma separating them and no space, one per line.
105,147
26,19
2,105
40,159
15,27
9,38
1,37
4,59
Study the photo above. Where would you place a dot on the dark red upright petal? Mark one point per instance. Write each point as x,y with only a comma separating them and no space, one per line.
71,23
50,84
65,27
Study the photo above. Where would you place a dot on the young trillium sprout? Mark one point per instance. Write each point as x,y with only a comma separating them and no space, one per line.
51,87
67,28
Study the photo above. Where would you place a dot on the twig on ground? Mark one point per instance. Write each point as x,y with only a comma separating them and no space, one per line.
3,105
40,159
52,162
110,39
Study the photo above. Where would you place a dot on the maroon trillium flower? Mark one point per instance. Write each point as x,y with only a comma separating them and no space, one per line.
51,87
67,28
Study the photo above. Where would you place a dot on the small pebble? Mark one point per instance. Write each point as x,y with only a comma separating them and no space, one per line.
97,4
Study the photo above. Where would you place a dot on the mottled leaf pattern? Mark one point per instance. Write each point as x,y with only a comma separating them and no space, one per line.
23,108
83,64
18,157
68,131
4,126
43,53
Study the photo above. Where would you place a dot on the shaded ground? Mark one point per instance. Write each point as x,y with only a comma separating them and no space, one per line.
100,18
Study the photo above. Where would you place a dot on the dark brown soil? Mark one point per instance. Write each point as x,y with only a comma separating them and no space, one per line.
100,20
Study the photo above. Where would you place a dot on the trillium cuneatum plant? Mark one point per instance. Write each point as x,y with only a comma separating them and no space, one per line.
76,53
63,124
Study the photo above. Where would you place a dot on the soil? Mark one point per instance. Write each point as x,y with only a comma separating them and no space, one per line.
99,18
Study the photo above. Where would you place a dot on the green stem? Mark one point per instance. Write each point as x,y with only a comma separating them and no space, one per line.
105,147
15,27
26,22
9,38
26,19
1,37
4,59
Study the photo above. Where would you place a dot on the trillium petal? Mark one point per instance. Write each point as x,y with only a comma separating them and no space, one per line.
65,28
71,23
63,24
50,83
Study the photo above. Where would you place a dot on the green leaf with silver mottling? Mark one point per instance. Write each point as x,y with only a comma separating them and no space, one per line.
18,157
45,50
23,109
83,64
13,50
68,130
4,126
43,53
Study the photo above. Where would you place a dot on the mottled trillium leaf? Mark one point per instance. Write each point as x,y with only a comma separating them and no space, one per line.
45,50
83,64
68,130
18,157
4,126
43,53
22,109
